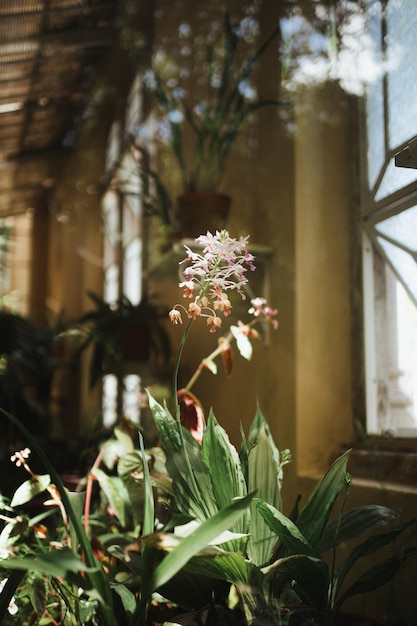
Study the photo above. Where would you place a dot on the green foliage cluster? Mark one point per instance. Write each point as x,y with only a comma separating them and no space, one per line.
179,520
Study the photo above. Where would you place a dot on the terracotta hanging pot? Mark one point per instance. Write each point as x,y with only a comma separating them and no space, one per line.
200,211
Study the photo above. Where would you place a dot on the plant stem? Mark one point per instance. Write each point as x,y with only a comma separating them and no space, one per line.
177,367
227,338
89,489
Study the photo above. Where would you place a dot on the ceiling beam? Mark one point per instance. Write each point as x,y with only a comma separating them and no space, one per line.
82,40
71,10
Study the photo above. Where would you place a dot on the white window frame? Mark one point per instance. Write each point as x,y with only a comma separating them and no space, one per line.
374,210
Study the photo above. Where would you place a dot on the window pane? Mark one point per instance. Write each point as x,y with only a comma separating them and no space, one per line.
111,284
132,278
403,263
109,400
407,352
402,228
395,178
131,398
375,102
402,85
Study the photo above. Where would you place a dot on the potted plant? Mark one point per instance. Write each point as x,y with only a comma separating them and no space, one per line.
122,331
200,131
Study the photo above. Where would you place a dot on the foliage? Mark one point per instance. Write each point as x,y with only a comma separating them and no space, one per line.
275,556
26,369
116,329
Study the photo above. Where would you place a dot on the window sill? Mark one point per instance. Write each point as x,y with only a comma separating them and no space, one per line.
387,461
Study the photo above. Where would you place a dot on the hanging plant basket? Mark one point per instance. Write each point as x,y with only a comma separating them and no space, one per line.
200,211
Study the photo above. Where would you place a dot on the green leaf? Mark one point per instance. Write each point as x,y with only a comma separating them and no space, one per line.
59,563
127,597
315,514
77,500
265,474
115,491
310,574
284,529
187,589
29,489
194,495
230,566
39,594
223,464
366,548
377,576
354,524
149,509
198,540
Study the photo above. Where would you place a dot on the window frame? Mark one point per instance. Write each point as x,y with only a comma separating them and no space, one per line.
373,211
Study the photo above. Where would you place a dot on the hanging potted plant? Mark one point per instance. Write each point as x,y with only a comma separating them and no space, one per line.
200,131
122,332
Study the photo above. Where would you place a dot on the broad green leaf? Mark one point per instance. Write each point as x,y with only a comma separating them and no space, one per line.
310,574
77,500
187,589
124,439
129,465
354,524
193,491
377,576
231,566
127,597
315,514
369,546
284,529
12,532
87,611
226,536
29,489
223,464
39,593
113,449
58,563
194,543
115,491
265,472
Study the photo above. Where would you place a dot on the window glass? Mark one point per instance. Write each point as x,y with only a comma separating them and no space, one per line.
404,265
402,228
375,102
390,250
132,271
394,179
402,85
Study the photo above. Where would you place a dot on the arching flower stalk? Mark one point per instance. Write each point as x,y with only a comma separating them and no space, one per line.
241,334
209,275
